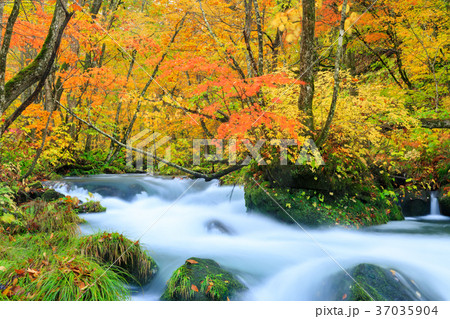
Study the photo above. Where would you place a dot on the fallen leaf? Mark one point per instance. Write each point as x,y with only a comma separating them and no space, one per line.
2,268
76,270
15,281
51,236
17,290
7,291
192,261
20,272
33,272
194,287
208,289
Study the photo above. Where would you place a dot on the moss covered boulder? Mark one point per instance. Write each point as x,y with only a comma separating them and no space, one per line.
444,203
51,195
373,282
314,208
90,207
112,248
201,280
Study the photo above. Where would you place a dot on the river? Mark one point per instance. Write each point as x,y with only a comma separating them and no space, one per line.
180,218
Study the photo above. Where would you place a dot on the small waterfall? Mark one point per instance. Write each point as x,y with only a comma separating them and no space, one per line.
434,203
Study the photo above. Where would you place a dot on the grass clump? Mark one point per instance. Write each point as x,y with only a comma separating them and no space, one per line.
50,217
48,267
114,248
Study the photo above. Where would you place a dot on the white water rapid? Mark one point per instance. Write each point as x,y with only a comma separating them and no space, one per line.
179,218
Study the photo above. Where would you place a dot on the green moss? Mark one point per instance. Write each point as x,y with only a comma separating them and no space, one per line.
90,207
372,283
201,279
114,248
51,195
315,208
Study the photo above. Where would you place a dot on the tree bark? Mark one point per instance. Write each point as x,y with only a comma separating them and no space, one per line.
6,40
305,98
260,38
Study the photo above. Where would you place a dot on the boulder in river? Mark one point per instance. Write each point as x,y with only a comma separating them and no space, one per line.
217,226
201,280
373,282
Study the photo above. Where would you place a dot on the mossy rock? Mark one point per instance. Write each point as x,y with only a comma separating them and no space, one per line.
90,207
202,280
114,248
51,195
374,283
256,199
415,203
36,185
444,203
314,208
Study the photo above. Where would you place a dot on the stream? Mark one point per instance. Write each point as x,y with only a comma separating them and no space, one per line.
176,219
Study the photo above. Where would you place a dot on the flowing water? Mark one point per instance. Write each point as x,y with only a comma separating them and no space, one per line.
180,218
434,206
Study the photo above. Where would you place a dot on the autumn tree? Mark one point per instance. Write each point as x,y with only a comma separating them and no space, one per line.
38,70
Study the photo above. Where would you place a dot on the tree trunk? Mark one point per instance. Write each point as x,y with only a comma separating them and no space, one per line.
260,38
306,62
326,128
435,123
